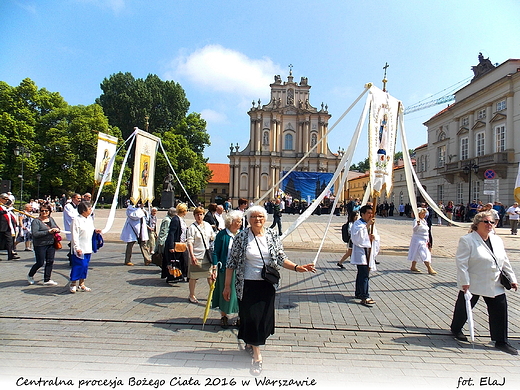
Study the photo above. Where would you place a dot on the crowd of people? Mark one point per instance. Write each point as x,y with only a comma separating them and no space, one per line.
240,254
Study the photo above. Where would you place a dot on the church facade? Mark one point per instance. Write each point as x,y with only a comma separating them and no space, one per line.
281,133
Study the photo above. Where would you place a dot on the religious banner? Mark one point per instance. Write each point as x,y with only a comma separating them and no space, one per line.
144,167
107,146
382,133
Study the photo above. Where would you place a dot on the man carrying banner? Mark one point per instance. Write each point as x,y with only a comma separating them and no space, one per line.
364,243
135,229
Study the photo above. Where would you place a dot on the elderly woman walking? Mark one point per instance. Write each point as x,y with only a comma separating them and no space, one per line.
480,259
200,237
254,248
419,250
222,248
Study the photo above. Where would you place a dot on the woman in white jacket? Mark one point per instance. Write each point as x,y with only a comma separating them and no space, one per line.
82,230
419,249
480,257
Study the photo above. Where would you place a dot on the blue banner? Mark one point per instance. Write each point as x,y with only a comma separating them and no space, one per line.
306,186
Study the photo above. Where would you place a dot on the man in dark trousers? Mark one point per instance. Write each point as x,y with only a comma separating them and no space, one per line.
277,216
7,227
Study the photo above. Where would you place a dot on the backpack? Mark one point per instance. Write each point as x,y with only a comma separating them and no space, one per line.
345,233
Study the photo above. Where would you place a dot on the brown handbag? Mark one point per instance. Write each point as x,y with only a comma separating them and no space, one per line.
180,247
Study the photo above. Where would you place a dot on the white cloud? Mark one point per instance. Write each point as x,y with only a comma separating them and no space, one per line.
224,70
213,117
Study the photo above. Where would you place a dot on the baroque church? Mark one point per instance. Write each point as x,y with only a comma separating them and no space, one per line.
281,133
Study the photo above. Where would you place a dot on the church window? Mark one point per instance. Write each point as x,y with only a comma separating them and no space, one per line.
288,144
465,121
481,114
290,97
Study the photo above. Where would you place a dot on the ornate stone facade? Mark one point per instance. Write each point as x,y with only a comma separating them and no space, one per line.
281,133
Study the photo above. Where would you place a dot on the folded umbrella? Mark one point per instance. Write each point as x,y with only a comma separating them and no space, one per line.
208,303
469,312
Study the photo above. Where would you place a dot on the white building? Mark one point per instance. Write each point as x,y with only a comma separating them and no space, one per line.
475,141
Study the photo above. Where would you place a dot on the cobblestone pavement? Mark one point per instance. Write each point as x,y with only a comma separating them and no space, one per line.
134,325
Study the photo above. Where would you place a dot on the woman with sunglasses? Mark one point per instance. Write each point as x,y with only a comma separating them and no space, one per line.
480,258
43,230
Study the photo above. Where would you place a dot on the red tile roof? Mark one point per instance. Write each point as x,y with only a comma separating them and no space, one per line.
220,173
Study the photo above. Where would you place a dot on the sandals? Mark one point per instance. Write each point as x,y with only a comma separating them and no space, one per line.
256,368
73,289
416,270
368,301
249,350
224,322
84,288
193,300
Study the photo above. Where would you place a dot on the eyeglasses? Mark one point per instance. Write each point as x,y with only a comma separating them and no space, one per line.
45,211
488,222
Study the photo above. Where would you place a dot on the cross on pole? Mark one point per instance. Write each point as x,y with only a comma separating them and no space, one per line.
290,69
384,77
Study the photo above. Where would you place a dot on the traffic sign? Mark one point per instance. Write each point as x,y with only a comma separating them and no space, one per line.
489,174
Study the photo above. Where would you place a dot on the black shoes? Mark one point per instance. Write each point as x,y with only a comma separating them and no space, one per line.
340,265
459,335
507,348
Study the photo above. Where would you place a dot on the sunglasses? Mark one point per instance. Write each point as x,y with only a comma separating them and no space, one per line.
488,222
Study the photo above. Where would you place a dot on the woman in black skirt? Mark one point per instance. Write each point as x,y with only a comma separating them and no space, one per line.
252,248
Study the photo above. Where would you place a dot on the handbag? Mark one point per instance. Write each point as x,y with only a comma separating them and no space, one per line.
208,254
180,247
505,280
57,241
268,273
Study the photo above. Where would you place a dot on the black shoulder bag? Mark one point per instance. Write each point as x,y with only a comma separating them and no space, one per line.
269,274
505,279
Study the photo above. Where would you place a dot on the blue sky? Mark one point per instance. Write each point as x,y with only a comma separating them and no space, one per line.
226,53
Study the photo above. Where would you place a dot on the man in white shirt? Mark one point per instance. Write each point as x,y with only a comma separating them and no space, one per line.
514,215
135,230
363,242
219,217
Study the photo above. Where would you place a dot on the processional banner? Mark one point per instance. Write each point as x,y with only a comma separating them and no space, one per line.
144,167
382,133
106,148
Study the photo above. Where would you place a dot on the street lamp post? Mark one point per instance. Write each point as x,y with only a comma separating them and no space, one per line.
472,166
24,153
38,177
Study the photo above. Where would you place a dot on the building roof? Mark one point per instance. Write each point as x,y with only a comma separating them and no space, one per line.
220,173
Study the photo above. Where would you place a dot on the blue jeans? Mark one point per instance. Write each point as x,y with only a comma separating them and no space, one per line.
362,283
44,255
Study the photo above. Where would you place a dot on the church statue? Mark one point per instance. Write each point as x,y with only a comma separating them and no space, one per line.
484,66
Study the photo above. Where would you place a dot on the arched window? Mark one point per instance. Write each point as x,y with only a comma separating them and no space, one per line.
288,142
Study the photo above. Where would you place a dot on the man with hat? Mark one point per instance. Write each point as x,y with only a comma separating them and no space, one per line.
7,227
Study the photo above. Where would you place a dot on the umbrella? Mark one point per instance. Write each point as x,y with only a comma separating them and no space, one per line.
469,312
208,303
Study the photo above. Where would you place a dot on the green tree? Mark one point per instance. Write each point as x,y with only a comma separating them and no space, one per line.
61,139
128,101
361,166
